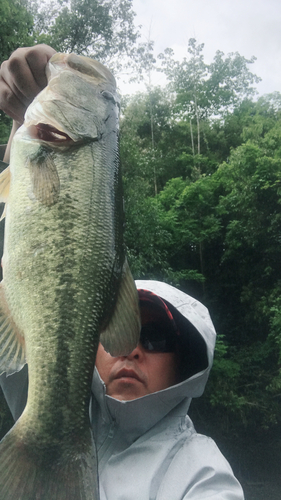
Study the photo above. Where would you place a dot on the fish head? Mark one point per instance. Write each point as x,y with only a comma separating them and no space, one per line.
79,103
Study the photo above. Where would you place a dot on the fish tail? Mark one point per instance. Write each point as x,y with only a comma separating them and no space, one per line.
24,475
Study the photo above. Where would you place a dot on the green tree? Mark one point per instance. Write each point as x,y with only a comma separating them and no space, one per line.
218,238
206,90
16,30
101,29
16,26
145,128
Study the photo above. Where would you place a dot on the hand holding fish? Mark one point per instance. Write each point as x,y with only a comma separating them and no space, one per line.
22,77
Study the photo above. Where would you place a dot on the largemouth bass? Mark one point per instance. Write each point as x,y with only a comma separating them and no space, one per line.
65,277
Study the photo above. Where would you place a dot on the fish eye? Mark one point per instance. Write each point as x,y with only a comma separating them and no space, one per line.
108,95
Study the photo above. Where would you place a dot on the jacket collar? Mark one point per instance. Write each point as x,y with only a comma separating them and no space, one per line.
134,418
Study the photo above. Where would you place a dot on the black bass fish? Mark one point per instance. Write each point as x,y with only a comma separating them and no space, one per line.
66,283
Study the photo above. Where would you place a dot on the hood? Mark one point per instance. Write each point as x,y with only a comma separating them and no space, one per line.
198,341
197,332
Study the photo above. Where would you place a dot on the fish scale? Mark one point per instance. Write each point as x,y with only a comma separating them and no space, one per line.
66,281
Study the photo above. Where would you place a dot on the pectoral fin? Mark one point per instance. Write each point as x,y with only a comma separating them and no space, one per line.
5,179
44,177
121,334
12,345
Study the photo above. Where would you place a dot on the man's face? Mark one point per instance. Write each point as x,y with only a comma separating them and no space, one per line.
140,373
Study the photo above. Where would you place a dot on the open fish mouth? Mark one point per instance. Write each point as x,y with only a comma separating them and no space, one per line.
48,133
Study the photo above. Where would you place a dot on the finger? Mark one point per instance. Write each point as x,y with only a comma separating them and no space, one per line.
18,76
24,71
37,58
10,103
22,77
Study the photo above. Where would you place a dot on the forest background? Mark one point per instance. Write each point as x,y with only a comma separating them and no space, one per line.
201,163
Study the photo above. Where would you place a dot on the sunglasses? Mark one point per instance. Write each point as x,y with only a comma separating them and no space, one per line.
155,337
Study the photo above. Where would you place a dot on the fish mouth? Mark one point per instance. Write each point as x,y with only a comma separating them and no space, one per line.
48,133
125,373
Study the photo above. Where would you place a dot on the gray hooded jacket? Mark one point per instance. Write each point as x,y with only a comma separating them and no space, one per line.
148,448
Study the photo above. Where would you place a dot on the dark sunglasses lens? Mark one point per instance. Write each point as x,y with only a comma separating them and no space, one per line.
155,340
154,345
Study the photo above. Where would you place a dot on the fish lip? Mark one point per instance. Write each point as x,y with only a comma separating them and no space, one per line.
128,373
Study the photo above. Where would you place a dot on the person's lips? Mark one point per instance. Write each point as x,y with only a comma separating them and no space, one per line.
126,373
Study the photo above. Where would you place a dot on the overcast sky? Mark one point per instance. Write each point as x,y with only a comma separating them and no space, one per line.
250,27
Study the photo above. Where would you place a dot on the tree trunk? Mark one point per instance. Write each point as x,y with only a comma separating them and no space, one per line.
198,133
201,265
192,139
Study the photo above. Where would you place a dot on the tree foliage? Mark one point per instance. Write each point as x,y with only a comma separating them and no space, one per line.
101,29
16,26
216,234
16,30
201,165
207,90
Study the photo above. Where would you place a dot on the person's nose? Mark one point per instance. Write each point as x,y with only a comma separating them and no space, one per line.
136,354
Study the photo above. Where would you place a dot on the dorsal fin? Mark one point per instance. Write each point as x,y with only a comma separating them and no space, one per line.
121,334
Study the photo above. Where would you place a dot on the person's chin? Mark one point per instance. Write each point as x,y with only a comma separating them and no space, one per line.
126,389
